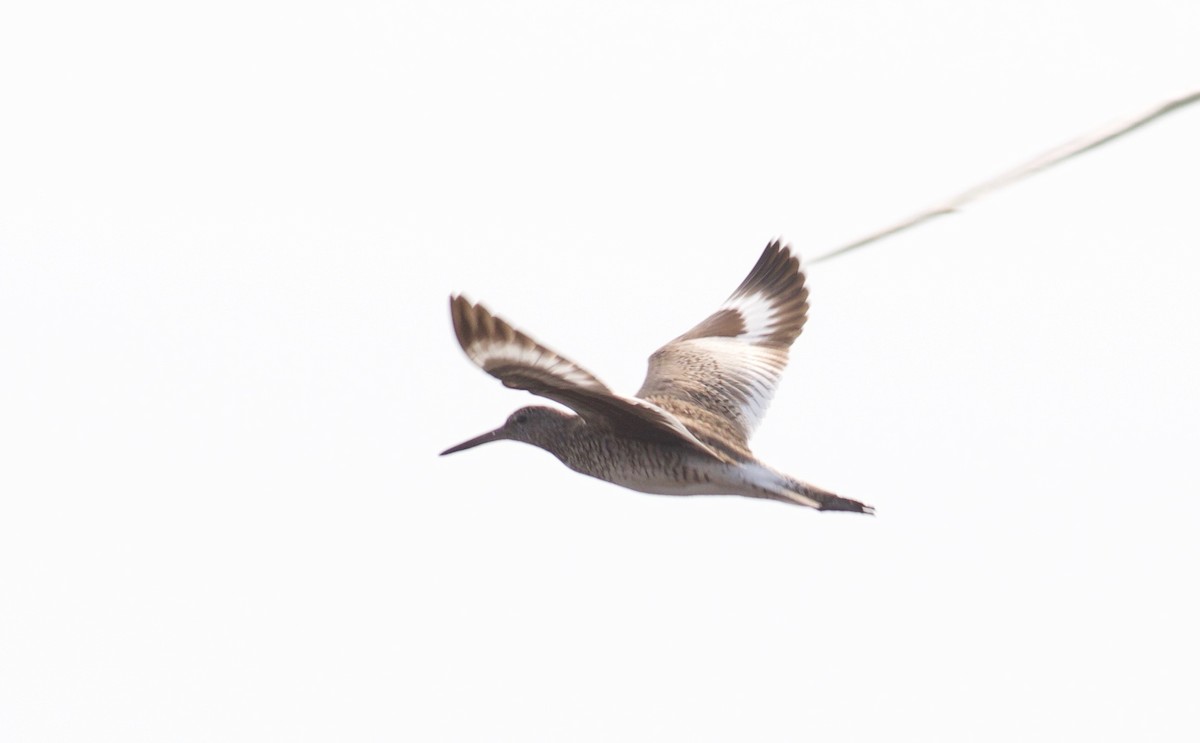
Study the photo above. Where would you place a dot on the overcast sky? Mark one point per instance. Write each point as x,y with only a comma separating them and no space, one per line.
227,236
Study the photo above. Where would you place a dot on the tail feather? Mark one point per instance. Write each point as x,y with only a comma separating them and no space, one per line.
760,481
810,495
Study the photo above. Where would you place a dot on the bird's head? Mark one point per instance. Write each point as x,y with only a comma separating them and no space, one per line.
535,425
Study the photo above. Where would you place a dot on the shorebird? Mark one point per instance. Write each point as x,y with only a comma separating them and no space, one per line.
686,431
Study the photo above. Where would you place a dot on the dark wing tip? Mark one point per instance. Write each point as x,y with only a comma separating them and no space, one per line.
779,276
460,316
473,323
776,271
778,279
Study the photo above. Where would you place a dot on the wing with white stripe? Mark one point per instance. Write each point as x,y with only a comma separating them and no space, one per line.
522,363
730,364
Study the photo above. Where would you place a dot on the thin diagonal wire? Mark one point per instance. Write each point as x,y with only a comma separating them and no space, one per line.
1047,159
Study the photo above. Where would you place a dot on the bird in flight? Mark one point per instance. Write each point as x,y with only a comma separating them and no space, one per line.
687,430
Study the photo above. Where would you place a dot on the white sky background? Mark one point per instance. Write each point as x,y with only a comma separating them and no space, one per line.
227,235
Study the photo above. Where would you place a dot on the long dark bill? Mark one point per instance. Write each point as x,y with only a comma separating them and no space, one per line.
485,438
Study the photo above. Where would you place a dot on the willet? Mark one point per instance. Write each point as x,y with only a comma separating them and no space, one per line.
686,430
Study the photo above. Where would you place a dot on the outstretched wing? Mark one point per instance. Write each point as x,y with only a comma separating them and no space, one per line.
524,364
723,373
